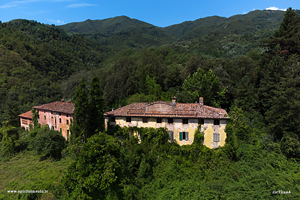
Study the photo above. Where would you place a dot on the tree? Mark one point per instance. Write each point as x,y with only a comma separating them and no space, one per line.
48,142
97,171
96,110
12,108
10,139
279,78
88,111
286,40
283,115
290,146
202,84
79,127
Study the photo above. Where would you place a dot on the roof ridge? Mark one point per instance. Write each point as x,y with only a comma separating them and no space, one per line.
188,110
213,109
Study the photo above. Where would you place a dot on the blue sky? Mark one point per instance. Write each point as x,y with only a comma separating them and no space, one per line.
157,12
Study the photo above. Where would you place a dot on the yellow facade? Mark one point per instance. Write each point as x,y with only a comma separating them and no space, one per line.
208,128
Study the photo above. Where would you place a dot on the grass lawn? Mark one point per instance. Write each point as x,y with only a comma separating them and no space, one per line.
25,171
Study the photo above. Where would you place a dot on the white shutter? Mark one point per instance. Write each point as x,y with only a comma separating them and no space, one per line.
186,136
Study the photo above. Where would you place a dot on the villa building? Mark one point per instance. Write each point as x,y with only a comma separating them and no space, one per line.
180,119
57,115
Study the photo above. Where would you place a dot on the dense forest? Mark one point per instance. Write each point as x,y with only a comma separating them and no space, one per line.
246,64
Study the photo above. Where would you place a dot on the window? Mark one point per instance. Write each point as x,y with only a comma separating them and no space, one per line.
216,122
59,114
60,130
45,117
52,127
158,120
67,115
112,119
170,120
145,120
183,136
52,118
24,121
68,134
60,120
200,121
216,137
128,119
185,121
171,135
67,122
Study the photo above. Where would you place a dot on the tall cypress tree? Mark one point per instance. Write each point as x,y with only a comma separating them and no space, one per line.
79,127
88,112
96,104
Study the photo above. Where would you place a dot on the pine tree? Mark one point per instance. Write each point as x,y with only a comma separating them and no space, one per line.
283,115
284,44
286,40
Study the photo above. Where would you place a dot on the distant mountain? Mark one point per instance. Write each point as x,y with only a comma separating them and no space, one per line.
238,24
106,27
123,32
206,24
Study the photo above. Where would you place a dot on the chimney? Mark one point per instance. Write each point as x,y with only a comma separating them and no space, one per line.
201,101
119,106
174,100
62,100
70,101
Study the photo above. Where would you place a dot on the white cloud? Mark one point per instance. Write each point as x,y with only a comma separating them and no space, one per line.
275,8
56,21
16,3
79,5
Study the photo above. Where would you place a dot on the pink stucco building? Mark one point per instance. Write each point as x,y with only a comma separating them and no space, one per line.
26,119
57,115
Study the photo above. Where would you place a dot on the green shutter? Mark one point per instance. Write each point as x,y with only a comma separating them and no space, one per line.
180,136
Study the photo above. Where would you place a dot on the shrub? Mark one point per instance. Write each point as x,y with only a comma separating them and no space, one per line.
49,142
10,139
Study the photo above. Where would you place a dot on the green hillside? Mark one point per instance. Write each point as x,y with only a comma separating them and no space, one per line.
121,32
248,65
34,58
106,27
238,24
216,36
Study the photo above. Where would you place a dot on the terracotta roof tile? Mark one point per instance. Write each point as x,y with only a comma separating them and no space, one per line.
58,106
167,109
27,115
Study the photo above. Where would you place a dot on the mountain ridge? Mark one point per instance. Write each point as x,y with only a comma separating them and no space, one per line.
246,23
